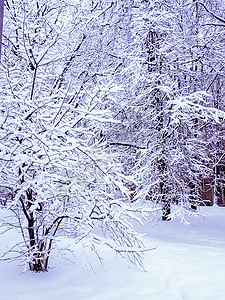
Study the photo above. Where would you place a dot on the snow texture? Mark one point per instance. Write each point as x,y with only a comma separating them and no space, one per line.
188,263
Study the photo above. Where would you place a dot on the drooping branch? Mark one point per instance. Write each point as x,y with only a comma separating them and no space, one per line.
126,145
57,221
211,13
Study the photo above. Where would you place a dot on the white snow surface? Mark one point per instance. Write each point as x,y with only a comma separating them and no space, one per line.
188,263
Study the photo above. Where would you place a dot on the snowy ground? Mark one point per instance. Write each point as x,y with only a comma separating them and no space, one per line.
189,263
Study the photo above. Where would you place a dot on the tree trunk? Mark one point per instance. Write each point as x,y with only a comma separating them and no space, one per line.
166,209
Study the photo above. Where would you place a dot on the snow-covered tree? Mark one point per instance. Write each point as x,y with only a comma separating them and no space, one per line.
169,103
56,94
